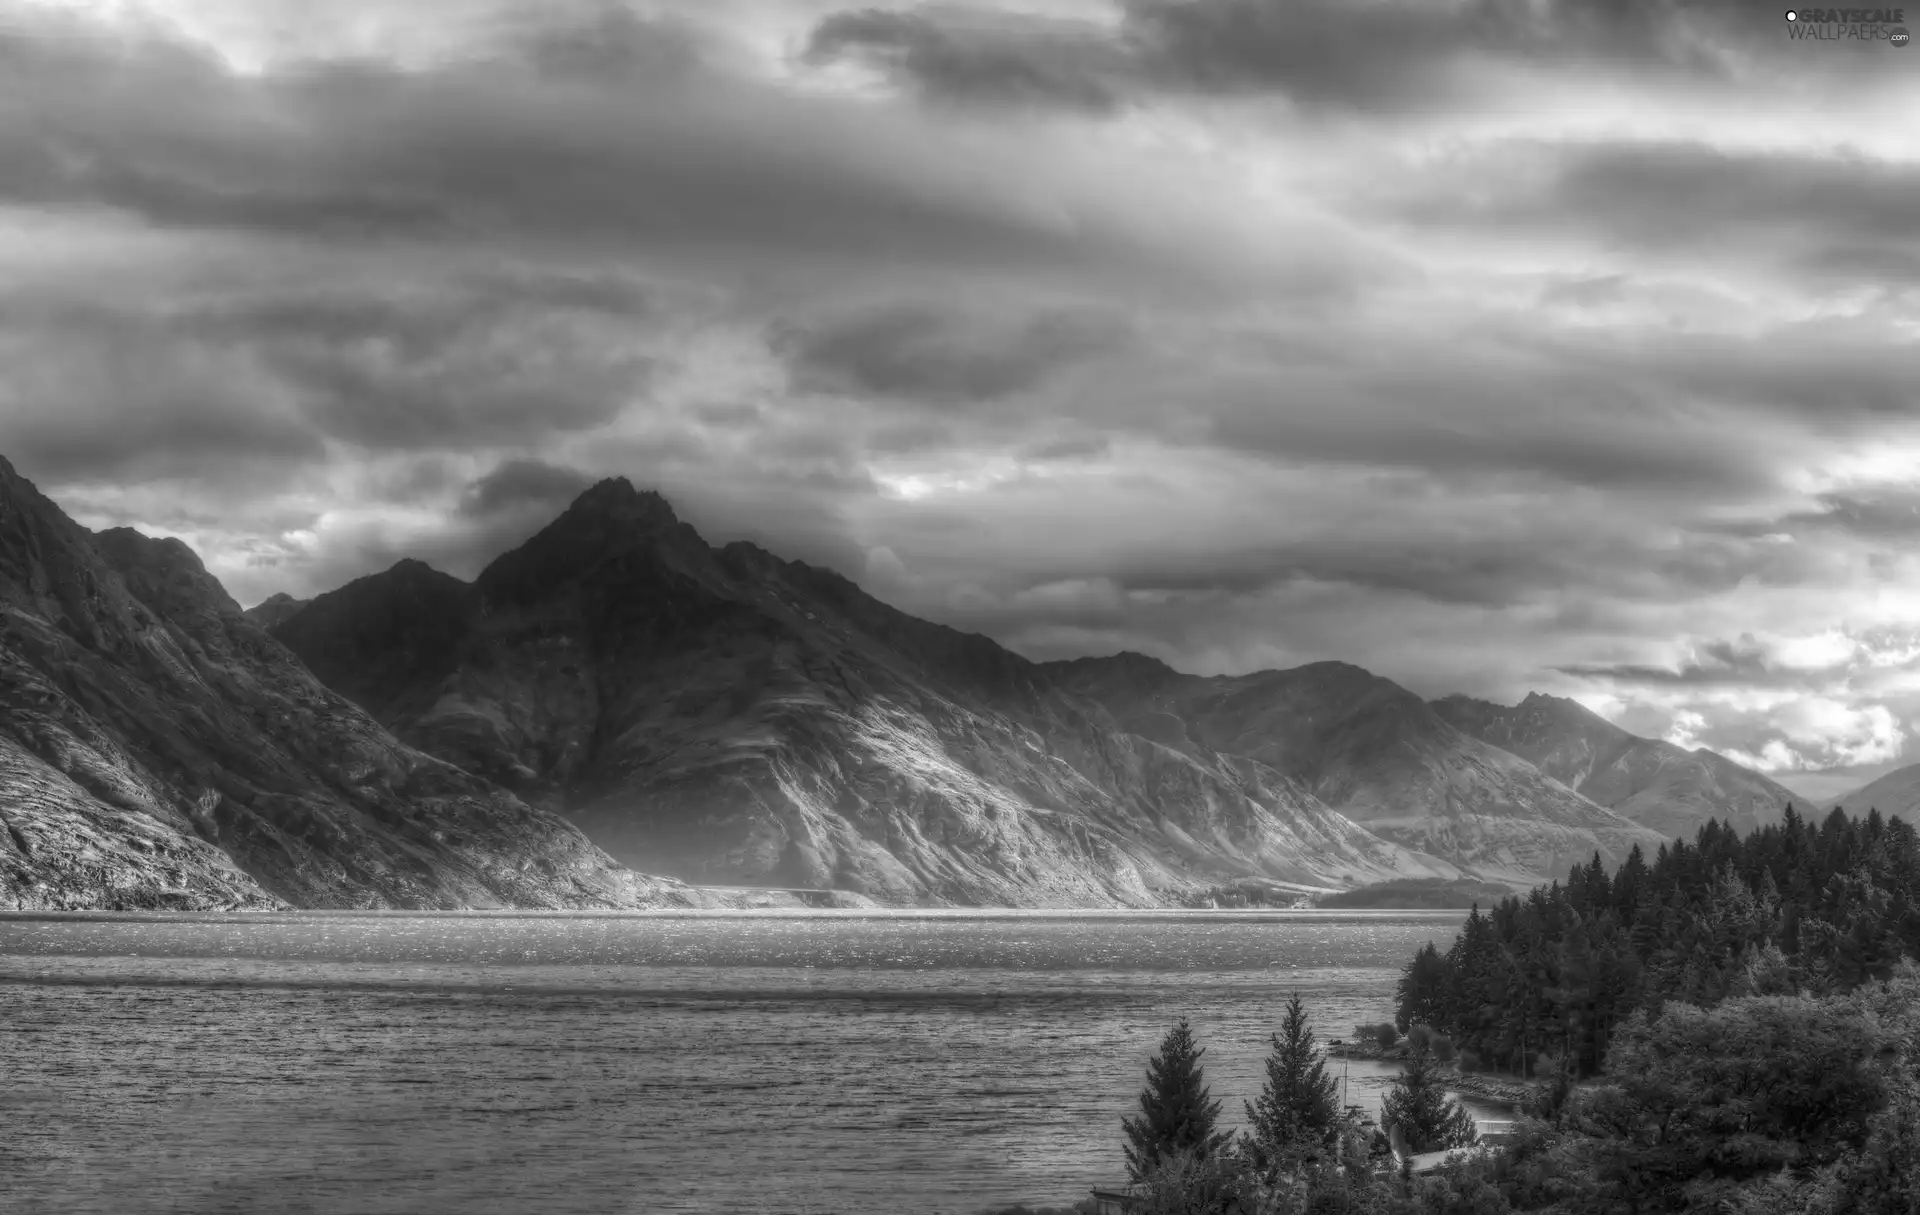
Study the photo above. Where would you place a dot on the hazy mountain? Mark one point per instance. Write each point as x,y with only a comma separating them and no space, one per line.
157,749
275,609
728,716
1374,751
1897,793
1656,784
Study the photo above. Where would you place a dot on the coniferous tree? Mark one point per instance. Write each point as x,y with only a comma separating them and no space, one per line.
1297,1112
1417,1104
1422,990
1176,1118
1554,972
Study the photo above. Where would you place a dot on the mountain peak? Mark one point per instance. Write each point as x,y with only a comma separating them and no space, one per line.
414,569
615,498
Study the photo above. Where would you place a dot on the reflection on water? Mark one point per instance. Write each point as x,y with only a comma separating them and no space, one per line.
852,1063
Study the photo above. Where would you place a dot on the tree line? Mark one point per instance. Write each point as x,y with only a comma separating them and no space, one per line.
1541,984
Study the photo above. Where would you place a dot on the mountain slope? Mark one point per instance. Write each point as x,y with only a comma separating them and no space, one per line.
157,749
1373,751
1656,784
274,610
727,716
1896,794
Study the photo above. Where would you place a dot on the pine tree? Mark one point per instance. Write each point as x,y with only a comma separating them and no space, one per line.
1419,1107
1297,1112
1175,1115
1421,994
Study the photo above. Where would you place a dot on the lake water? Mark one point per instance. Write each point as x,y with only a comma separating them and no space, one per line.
760,1063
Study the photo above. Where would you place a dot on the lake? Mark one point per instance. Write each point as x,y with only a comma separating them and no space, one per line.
760,1063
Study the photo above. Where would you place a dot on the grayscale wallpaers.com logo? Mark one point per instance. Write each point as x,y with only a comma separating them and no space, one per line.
1848,24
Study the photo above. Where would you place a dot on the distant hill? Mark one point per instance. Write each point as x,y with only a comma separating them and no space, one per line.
274,610
1660,786
1373,751
1896,794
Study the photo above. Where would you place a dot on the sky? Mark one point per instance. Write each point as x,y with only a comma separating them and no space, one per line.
1493,345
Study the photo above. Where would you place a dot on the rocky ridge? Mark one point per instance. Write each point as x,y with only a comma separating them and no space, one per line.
1375,752
157,749
728,717
1661,786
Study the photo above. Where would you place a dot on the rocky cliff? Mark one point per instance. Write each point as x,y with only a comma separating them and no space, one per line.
157,749
729,717
1375,752
1659,785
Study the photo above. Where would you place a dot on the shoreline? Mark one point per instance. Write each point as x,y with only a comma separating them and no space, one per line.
1490,1087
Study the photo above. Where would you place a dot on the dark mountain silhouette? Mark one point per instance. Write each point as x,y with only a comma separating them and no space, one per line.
726,716
729,718
159,750
1656,784
274,609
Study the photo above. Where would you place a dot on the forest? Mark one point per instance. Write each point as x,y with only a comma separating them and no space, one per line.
1732,1028
1541,984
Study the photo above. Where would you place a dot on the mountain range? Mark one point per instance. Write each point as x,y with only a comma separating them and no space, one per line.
616,697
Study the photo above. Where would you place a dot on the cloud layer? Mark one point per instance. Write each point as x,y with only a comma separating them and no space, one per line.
1493,346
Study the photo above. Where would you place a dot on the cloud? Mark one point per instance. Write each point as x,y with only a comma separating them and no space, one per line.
1817,213
998,58
1395,58
942,354
520,484
1493,346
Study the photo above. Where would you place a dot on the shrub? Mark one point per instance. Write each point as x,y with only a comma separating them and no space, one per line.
1385,1034
1470,1061
1443,1048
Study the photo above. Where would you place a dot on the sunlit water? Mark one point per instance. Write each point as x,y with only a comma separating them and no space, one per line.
760,1062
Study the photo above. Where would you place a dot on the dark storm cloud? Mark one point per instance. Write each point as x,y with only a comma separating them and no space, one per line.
1750,662
1487,407
1402,56
518,484
98,393
610,43
1718,664
1887,516
1003,58
1811,215
250,385
1482,562
1872,516
1673,192
685,162
942,354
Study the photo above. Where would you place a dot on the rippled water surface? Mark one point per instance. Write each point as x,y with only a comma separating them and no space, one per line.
854,1063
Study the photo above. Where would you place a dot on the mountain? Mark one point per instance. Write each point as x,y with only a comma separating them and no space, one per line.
726,716
1375,752
157,749
1897,794
1661,786
274,610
